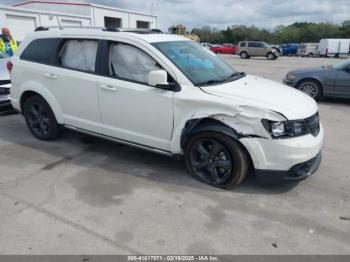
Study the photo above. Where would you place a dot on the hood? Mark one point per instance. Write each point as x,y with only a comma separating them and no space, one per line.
270,95
4,75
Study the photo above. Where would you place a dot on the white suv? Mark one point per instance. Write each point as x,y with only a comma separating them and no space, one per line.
166,94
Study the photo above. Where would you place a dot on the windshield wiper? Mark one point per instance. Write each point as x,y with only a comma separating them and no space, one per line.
232,77
235,76
212,81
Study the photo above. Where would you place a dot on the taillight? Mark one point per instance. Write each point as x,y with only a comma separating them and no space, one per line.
9,66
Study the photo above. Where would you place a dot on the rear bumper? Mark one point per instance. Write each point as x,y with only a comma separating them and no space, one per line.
296,173
5,102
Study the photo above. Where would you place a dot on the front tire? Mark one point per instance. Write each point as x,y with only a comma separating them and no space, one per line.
216,159
244,55
40,119
271,56
310,87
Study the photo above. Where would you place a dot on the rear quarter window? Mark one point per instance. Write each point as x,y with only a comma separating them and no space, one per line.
41,51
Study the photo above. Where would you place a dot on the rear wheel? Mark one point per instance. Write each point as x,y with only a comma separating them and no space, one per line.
216,159
40,119
310,87
218,52
244,55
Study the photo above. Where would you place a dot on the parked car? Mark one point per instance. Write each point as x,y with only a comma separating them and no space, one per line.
307,49
166,94
207,45
333,47
289,49
223,49
5,84
325,81
278,49
249,49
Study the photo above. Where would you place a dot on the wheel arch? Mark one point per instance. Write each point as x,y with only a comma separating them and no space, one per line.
47,96
195,126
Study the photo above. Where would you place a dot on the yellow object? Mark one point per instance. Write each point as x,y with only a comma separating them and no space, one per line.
13,44
181,30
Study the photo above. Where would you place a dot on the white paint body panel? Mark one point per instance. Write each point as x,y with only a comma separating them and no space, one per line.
155,118
334,46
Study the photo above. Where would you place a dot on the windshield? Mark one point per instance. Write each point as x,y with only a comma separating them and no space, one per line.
201,66
342,65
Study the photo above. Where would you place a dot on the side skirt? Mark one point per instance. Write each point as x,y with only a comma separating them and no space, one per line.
121,141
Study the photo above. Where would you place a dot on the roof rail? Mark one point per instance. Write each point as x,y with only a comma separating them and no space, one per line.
108,29
46,28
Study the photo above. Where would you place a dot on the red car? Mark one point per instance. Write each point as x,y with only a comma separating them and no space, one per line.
223,49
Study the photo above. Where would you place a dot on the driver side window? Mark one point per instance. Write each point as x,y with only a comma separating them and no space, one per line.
130,63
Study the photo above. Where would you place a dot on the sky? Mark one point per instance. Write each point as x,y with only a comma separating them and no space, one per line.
220,14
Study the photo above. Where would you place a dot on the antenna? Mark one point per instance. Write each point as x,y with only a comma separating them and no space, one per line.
151,13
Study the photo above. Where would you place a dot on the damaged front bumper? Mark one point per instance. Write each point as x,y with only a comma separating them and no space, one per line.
290,159
296,173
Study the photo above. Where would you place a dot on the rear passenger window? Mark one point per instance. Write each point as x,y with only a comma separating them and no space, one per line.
79,54
41,51
130,63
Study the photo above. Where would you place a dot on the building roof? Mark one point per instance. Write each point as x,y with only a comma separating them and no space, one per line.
79,4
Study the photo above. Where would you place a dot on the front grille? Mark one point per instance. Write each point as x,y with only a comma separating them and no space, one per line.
4,91
5,82
313,124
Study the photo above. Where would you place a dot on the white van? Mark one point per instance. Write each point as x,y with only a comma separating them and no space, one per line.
333,47
166,94
307,49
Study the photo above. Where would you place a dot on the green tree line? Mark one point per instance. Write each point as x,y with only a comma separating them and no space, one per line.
296,33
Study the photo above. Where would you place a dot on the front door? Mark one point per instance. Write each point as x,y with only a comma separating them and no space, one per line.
342,83
131,110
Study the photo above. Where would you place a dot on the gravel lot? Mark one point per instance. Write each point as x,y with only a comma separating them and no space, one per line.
85,195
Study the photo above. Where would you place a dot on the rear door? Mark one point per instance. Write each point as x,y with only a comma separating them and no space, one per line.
74,82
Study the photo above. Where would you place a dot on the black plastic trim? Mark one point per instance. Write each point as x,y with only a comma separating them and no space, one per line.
196,126
297,173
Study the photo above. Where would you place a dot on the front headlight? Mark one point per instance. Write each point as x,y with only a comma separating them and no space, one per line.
285,129
290,77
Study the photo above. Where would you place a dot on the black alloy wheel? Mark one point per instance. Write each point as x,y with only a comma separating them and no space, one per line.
40,119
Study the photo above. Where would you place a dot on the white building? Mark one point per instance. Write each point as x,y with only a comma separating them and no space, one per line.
25,17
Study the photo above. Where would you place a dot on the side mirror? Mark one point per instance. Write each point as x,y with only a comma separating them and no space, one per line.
158,78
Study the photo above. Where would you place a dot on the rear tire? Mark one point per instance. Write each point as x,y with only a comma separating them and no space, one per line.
40,119
218,52
310,87
216,159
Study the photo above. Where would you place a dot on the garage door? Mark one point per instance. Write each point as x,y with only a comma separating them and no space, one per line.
20,25
66,22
